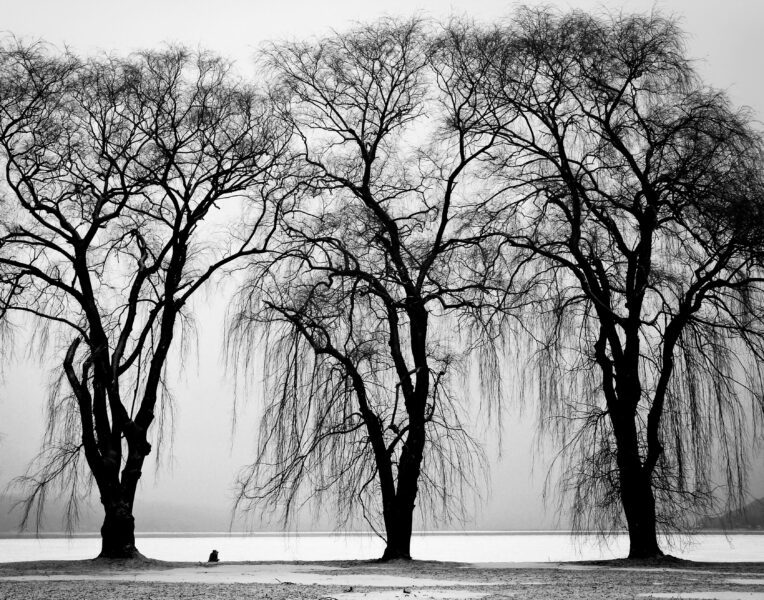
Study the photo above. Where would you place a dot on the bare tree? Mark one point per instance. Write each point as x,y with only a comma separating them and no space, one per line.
628,198
364,303
112,167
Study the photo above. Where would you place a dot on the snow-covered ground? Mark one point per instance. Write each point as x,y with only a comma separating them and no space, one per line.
96,580
462,547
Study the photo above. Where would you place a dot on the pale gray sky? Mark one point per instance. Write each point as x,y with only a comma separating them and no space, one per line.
726,38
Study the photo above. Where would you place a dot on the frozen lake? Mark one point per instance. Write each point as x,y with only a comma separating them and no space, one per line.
477,547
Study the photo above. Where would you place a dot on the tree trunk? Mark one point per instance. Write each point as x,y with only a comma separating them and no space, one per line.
636,490
639,507
118,530
399,514
398,524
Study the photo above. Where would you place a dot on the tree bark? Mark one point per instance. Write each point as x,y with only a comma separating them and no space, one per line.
636,490
398,524
399,513
118,530
639,507
117,497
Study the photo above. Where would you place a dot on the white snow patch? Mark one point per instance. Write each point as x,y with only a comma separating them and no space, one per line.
271,573
413,594
723,595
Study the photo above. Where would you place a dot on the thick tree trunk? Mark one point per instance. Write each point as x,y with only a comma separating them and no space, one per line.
118,530
637,496
639,507
399,513
398,524
636,489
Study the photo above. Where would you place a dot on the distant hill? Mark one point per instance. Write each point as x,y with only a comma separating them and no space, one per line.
751,516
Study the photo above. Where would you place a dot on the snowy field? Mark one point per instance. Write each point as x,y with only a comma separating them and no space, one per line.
461,547
369,580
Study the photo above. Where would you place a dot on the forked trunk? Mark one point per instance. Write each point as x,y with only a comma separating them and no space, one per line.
399,510
118,530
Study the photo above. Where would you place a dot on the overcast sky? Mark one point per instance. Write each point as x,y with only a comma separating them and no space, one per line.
725,37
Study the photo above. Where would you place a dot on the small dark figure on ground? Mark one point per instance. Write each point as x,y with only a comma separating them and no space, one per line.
213,556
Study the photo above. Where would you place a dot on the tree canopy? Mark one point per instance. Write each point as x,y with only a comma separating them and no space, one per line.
628,198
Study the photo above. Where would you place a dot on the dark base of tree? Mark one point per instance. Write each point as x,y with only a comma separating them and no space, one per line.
398,522
135,557
387,557
395,553
644,553
118,536
661,559
639,509
643,540
121,553
666,560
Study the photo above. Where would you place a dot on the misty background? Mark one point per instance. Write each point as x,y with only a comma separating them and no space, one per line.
213,426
